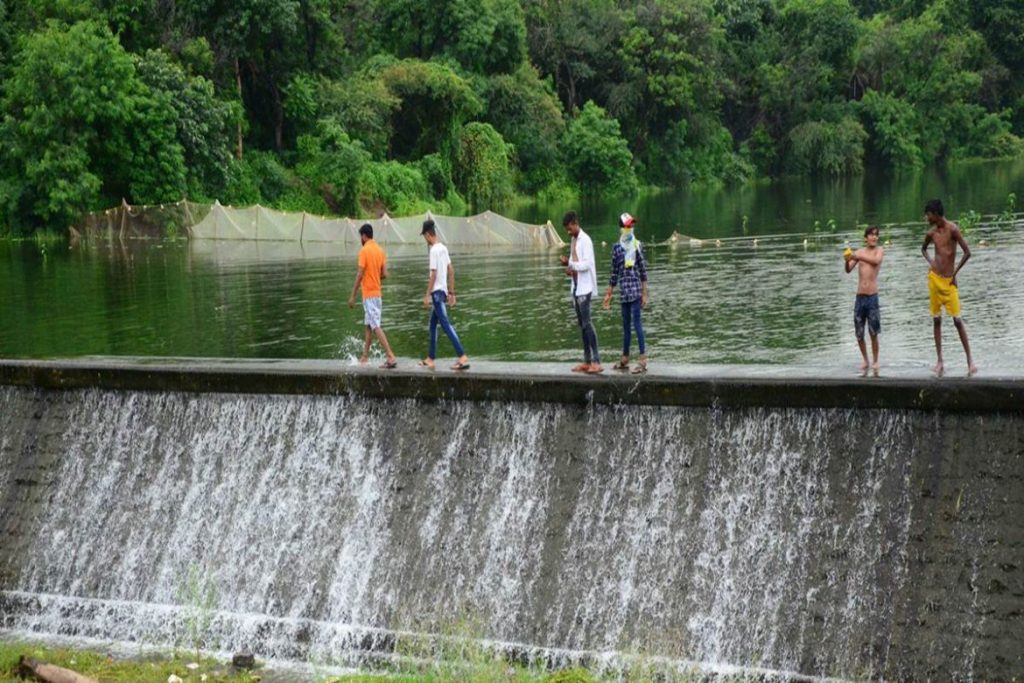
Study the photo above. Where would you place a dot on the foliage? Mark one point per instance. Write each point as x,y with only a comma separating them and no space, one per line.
482,172
596,155
81,130
829,148
155,668
151,100
199,595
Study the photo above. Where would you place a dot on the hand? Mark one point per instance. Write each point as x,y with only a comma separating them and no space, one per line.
563,259
607,303
451,299
351,301
570,272
643,300
426,301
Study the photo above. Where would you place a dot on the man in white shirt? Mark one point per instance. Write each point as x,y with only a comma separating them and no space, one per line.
440,289
581,266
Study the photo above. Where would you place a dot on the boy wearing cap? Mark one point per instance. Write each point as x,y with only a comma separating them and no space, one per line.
440,289
373,267
629,272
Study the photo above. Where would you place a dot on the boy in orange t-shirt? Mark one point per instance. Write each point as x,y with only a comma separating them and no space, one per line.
373,268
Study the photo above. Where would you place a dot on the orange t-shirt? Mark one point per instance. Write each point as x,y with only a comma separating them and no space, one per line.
371,260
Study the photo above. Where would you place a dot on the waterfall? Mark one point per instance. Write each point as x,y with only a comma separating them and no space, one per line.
823,542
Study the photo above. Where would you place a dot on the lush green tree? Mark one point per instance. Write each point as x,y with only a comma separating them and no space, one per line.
434,102
82,130
204,123
595,154
330,163
482,172
524,109
483,36
575,41
832,148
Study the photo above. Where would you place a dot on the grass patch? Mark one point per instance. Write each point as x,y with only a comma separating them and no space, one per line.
152,668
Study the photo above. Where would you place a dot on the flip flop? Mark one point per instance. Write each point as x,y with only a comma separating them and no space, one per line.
461,366
621,365
592,371
640,369
389,365
582,367
425,364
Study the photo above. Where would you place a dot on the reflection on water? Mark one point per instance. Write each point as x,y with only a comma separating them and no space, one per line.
773,300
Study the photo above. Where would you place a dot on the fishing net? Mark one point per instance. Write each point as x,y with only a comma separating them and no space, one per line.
218,222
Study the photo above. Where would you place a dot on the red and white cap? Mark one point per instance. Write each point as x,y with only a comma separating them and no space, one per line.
626,220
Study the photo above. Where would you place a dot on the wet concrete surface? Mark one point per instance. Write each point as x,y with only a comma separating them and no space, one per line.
680,385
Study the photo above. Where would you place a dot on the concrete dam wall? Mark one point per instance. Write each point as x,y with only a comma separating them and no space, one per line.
817,540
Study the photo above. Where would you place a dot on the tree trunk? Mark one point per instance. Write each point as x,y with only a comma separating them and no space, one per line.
48,673
238,82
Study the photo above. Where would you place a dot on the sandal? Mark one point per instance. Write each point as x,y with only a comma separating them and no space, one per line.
582,367
461,366
389,365
621,365
427,364
640,369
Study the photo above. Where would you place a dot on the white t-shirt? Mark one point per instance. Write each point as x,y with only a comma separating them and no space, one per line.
585,265
439,261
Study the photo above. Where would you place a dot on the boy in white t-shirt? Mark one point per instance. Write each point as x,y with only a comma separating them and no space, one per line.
440,289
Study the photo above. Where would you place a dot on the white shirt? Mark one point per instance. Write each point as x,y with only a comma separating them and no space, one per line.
439,262
585,264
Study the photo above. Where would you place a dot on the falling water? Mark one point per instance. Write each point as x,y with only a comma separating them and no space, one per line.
786,539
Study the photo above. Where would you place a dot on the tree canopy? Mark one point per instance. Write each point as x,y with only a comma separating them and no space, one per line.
360,106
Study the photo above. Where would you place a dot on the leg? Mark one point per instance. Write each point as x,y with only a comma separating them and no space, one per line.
962,331
441,311
383,339
874,351
577,306
367,337
874,329
589,335
641,338
937,329
858,331
432,351
627,329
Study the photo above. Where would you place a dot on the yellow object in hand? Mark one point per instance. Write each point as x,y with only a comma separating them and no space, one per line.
847,253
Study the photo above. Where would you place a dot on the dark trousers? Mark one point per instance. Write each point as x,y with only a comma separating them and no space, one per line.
631,310
582,305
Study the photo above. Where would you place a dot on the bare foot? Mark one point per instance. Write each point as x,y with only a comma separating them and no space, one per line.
972,369
428,363
864,365
582,367
594,369
938,369
363,360
875,366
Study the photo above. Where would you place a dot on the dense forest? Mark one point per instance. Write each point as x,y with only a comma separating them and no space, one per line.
361,106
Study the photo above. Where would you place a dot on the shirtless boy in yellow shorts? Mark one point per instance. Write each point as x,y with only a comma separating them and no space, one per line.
942,288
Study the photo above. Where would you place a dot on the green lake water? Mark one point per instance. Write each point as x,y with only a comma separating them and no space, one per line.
765,290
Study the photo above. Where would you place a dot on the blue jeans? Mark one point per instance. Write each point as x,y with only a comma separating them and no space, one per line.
582,306
632,309
439,314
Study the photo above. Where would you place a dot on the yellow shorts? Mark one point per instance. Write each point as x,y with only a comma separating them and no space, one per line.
942,292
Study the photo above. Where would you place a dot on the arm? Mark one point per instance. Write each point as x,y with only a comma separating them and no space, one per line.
384,271
613,279
862,255
586,251
355,288
451,284
967,252
430,287
849,263
641,267
924,249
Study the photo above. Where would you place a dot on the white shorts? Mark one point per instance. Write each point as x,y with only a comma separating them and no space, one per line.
371,312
